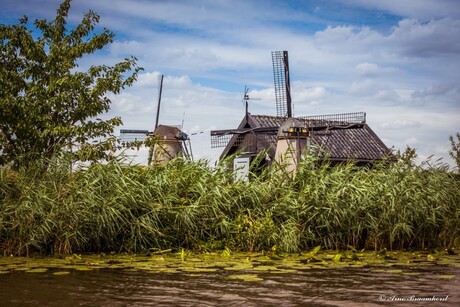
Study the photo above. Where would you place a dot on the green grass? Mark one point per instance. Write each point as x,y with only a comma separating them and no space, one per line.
126,208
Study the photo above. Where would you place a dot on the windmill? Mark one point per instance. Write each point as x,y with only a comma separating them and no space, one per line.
246,99
169,141
258,133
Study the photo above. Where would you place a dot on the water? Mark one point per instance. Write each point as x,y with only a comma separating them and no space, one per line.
364,286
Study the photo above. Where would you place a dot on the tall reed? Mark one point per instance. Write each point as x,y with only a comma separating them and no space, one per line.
129,208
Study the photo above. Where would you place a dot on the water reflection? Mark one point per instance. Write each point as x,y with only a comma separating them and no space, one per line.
320,287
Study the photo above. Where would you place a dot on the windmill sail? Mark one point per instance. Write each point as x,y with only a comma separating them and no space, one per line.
129,135
160,89
282,87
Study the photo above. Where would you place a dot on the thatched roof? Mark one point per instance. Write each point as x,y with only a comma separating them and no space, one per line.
358,143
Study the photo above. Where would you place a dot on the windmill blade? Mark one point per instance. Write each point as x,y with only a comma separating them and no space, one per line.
133,131
245,95
244,130
187,149
160,90
218,141
220,138
335,121
280,62
128,135
196,133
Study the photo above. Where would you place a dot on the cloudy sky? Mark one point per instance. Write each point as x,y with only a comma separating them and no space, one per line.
398,61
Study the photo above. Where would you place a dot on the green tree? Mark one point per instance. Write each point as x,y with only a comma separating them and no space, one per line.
455,152
48,105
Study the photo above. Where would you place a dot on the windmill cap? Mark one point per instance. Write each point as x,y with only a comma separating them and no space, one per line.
291,122
167,132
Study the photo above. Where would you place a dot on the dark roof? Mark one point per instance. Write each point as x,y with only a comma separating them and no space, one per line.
357,143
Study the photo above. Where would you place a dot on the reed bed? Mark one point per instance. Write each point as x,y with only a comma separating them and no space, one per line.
116,207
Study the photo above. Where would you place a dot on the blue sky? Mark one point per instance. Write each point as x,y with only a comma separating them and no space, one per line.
399,61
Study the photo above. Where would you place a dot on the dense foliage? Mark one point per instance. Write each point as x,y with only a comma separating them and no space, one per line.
47,103
118,207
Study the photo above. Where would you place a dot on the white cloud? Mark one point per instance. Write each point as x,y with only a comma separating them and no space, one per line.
436,90
148,79
412,141
363,88
388,96
427,39
373,70
303,94
126,103
346,38
422,9
125,48
367,69
401,124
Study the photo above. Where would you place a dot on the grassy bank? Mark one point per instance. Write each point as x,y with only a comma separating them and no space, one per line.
121,208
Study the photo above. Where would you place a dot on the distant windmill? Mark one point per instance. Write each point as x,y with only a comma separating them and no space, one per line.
246,99
170,140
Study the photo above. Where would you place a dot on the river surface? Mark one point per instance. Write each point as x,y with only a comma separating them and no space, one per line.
361,286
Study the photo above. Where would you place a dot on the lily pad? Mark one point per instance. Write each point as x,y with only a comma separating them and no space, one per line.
446,276
265,268
238,268
196,270
83,268
387,271
58,273
167,270
37,270
284,271
245,277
